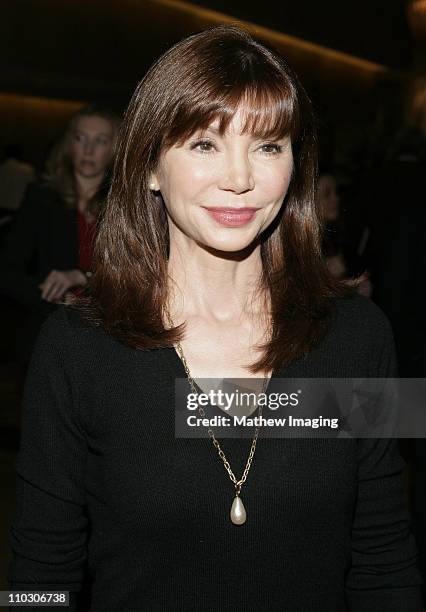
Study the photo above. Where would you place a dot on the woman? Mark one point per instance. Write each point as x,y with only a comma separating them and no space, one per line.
333,245
328,203
48,250
209,250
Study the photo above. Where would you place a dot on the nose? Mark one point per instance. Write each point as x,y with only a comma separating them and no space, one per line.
237,174
88,147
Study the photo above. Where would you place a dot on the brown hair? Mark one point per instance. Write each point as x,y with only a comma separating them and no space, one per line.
59,168
202,78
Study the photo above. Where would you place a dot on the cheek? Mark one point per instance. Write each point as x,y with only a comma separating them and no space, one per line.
76,151
184,181
102,154
275,185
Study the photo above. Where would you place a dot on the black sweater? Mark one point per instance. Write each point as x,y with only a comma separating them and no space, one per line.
106,492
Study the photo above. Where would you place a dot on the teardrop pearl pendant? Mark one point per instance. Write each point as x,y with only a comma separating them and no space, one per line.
238,512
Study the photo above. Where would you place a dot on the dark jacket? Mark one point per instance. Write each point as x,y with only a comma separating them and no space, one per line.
43,237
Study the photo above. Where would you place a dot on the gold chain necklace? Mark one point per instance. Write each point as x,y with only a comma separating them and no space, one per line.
238,512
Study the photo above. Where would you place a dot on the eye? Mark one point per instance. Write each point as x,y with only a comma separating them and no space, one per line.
271,148
203,146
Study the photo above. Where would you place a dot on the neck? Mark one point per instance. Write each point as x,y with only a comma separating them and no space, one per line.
86,188
215,285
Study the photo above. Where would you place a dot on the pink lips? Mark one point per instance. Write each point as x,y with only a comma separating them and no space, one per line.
231,217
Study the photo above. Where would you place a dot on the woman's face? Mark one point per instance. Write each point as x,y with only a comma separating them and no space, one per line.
223,191
92,141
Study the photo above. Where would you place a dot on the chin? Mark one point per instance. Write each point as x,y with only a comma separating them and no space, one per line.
89,173
231,244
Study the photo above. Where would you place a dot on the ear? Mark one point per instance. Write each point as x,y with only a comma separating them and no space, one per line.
153,183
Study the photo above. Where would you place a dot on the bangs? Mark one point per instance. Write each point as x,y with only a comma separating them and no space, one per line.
267,111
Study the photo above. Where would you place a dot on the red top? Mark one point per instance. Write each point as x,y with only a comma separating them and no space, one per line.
86,238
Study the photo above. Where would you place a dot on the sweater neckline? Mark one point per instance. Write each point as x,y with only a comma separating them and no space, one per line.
177,369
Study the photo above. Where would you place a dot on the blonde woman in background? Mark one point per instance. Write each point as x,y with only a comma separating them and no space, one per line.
47,250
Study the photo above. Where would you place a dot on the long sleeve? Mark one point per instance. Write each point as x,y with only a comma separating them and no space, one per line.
49,531
384,575
18,249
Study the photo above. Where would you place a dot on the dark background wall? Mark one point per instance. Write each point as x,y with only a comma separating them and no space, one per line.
354,57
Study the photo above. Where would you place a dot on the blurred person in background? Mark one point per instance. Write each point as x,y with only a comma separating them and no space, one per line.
329,205
397,198
15,175
48,248
398,252
333,244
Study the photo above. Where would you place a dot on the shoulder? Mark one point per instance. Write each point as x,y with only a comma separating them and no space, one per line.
41,195
359,341
358,315
66,322
64,342
82,338
89,355
54,335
